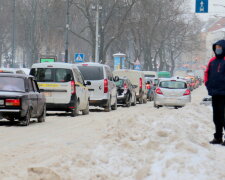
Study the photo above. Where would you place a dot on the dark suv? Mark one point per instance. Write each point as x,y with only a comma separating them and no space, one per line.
21,99
125,92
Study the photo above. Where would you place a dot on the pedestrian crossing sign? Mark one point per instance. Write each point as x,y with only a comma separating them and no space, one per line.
78,57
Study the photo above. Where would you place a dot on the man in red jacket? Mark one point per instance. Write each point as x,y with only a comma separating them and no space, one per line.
215,83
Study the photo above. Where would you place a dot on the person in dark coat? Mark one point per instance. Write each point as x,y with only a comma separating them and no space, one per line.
215,83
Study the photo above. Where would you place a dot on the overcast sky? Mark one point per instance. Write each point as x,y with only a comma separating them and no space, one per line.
215,8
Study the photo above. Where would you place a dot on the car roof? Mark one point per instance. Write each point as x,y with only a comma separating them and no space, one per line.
53,65
15,75
90,64
171,79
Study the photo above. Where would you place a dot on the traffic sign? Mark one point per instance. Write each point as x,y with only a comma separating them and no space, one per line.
201,6
78,57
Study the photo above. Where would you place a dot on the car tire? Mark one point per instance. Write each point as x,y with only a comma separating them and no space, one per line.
141,100
156,106
86,110
135,101
75,111
108,106
145,100
128,102
25,121
114,106
43,115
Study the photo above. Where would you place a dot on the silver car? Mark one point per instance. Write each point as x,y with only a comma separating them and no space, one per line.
172,92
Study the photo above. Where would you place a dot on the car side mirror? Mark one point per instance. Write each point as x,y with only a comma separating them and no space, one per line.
116,78
88,83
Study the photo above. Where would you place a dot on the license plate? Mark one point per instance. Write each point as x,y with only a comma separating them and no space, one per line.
1,102
47,94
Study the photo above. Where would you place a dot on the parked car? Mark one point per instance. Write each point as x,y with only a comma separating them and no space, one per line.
172,92
20,99
13,70
103,91
126,92
206,101
64,87
137,78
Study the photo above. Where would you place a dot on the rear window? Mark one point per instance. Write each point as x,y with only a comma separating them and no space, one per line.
12,84
173,84
149,75
92,72
119,83
52,74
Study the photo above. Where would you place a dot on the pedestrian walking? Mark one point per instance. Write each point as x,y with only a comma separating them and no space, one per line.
215,82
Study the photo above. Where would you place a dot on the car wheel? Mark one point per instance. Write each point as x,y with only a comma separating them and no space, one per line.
86,110
25,121
75,111
114,106
135,101
145,100
43,115
128,102
141,100
156,106
108,106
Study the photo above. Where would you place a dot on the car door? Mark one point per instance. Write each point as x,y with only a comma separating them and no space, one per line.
33,98
40,98
80,89
112,85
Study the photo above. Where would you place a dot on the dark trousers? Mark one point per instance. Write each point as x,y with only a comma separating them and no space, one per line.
218,104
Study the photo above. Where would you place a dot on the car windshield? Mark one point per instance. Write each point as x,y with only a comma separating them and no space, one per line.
173,84
12,84
52,74
92,72
119,83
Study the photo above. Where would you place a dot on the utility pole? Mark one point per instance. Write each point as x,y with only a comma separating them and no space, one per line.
97,34
67,32
13,32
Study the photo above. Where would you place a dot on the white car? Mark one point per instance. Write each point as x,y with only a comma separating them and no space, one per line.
63,86
172,92
103,91
13,70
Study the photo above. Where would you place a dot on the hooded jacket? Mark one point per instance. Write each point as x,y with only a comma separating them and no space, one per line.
215,72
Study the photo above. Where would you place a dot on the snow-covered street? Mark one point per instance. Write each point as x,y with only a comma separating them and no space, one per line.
136,143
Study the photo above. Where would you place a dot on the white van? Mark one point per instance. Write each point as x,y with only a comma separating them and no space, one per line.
137,78
63,86
103,91
149,75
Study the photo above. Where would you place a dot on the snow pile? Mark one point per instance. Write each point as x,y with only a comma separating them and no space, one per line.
137,143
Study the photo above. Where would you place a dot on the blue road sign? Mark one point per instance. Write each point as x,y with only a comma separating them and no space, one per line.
78,57
201,6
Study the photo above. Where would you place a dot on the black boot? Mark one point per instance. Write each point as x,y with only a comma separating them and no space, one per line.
223,143
216,141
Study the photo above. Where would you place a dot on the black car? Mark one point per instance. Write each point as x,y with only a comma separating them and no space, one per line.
125,92
20,99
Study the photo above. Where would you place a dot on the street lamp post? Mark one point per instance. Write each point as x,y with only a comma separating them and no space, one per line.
67,33
13,32
97,34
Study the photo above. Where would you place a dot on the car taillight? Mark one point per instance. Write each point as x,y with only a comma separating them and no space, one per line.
73,87
187,92
12,102
125,86
140,81
106,89
158,91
